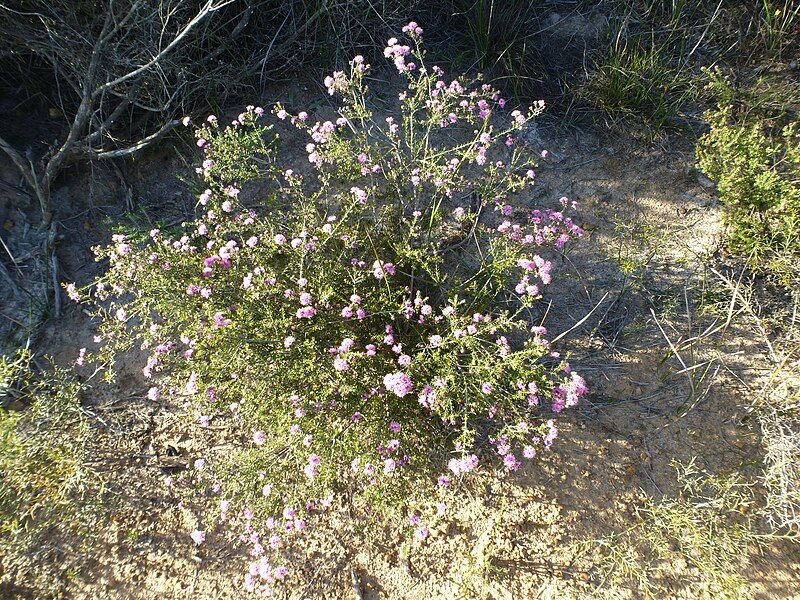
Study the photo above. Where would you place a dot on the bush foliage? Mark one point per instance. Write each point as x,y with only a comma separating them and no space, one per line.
756,164
360,326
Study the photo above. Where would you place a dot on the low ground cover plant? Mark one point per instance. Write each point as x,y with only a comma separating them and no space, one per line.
711,526
358,326
50,495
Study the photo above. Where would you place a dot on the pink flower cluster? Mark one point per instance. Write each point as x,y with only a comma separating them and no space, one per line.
398,384
541,266
337,82
568,394
463,465
398,52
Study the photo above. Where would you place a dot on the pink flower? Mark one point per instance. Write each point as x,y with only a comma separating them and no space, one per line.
198,536
398,383
221,321
305,299
153,394
224,506
360,194
280,239
462,465
259,438
306,312
191,385
341,365
380,270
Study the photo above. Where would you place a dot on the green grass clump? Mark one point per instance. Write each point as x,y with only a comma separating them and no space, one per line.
635,80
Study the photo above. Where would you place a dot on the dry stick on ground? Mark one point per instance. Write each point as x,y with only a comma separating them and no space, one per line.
356,582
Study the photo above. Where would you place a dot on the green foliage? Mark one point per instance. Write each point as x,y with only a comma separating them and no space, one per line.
757,170
241,153
779,24
499,40
641,77
650,66
49,495
367,322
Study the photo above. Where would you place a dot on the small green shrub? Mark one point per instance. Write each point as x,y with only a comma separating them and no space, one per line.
756,164
49,495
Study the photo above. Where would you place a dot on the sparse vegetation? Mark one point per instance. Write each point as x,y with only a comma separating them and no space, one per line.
712,526
51,498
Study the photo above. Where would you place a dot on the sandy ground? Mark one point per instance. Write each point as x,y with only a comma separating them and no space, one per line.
651,228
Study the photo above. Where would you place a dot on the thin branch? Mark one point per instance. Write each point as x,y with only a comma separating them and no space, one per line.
141,144
582,321
207,8
18,160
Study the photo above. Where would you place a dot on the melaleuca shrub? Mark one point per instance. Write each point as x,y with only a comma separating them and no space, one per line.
357,331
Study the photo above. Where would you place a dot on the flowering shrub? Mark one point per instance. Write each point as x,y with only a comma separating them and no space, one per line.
359,329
